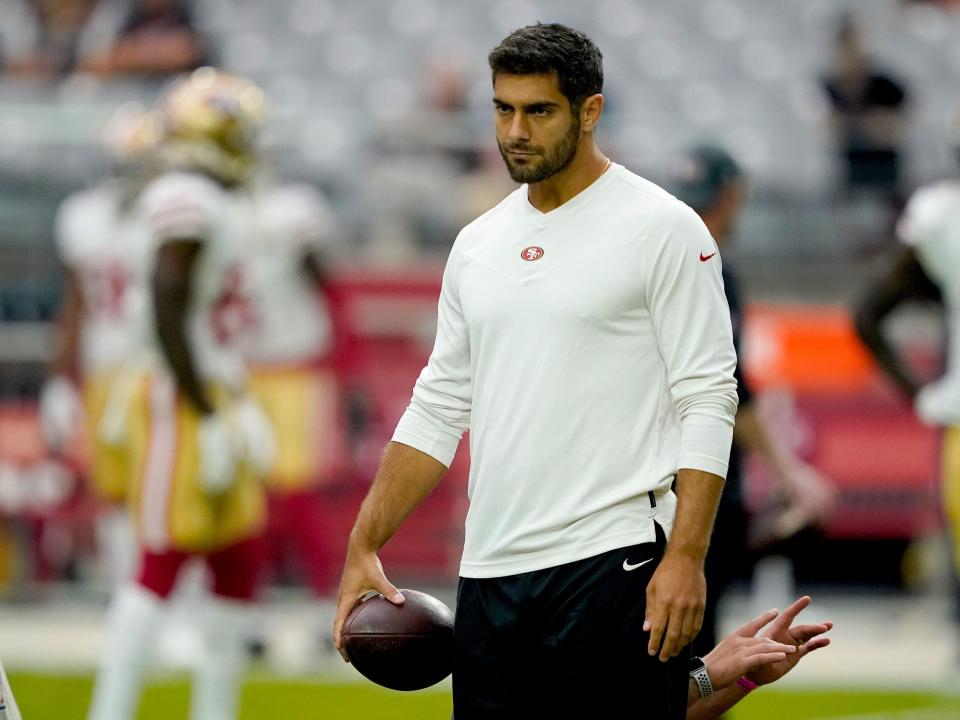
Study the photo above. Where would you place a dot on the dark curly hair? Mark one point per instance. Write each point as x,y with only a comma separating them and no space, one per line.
548,48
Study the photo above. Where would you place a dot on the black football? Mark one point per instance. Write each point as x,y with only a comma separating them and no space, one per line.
402,647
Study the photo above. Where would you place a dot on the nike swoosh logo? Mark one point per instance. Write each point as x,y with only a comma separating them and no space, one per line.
704,258
628,567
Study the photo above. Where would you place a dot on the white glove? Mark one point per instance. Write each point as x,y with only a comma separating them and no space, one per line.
936,403
218,454
254,433
61,410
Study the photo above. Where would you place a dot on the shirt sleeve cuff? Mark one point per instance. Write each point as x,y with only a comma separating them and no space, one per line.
416,431
705,445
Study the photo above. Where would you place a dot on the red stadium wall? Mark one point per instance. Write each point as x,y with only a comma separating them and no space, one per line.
843,417
817,384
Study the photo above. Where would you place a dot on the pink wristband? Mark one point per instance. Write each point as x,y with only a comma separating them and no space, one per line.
747,684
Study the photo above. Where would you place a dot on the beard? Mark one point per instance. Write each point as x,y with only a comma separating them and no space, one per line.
544,163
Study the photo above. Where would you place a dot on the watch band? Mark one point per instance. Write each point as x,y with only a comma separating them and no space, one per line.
701,677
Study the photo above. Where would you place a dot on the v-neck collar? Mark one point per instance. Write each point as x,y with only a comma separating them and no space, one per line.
579,199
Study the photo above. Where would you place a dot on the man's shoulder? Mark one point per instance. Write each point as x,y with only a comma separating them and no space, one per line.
644,189
296,195
82,218
182,205
940,194
296,213
929,209
646,201
96,199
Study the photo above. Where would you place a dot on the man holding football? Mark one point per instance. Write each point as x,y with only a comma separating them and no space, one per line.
584,340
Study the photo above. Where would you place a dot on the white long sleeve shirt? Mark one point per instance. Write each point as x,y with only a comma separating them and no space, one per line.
589,352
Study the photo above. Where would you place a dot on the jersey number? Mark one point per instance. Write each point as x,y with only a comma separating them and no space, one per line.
108,287
232,314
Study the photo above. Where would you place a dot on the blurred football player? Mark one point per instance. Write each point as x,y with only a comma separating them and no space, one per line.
712,183
925,271
288,349
203,440
100,339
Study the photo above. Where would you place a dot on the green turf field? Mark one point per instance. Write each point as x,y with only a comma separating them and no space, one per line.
65,697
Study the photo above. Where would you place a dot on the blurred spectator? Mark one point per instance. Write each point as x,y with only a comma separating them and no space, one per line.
951,4
158,38
482,189
48,38
867,116
711,182
421,153
447,94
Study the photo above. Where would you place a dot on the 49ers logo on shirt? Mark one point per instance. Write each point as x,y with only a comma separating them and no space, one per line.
532,253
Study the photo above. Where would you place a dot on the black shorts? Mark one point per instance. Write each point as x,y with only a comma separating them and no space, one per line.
565,642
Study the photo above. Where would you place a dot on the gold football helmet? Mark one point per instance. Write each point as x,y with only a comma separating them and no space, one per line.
210,122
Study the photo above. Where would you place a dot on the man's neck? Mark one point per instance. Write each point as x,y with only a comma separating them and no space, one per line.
587,166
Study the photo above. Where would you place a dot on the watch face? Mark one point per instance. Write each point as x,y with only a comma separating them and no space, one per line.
696,664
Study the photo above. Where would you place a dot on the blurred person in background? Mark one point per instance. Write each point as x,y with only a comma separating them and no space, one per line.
952,4
289,347
158,38
710,181
203,440
926,271
483,188
447,95
420,156
868,108
48,39
99,353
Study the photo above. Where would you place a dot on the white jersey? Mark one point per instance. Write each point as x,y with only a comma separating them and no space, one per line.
179,206
931,226
589,352
291,319
106,249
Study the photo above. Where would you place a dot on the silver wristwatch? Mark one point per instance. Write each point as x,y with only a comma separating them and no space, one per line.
698,671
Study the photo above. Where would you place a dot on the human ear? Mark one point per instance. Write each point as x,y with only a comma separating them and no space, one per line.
590,112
